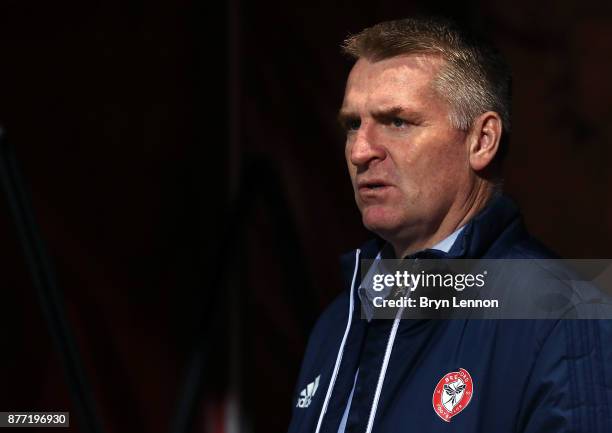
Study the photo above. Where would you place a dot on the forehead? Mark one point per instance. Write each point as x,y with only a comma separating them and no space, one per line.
401,80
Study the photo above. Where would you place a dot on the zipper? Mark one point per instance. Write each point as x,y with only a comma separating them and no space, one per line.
332,382
385,364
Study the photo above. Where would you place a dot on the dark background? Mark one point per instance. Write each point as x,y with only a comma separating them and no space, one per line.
187,173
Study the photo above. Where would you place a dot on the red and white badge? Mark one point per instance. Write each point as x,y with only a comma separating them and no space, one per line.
452,394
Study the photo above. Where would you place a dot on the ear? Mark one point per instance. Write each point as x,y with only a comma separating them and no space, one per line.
484,140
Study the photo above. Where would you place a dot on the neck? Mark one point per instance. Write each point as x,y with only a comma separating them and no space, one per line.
457,216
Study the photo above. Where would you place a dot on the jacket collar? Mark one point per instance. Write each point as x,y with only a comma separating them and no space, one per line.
493,230
489,234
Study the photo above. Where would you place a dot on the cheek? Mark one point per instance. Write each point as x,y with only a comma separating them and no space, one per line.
352,170
413,164
433,165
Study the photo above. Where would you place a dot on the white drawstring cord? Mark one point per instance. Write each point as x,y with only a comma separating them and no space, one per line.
341,351
383,370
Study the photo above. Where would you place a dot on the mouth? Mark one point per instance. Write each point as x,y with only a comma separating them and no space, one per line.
372,187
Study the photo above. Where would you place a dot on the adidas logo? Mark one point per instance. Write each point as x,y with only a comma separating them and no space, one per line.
307,393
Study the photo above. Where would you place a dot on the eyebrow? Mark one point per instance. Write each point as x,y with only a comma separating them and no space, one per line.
383,114
392,112
344,116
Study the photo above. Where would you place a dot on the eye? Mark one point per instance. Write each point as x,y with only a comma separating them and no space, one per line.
352,124
397,122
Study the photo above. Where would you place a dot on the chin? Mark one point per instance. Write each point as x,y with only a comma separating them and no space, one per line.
381,221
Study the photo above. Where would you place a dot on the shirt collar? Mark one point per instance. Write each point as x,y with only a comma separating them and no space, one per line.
446,244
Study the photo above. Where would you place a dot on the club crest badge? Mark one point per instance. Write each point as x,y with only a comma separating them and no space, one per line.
452,394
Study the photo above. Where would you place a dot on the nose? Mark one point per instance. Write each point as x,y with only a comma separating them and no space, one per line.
364,149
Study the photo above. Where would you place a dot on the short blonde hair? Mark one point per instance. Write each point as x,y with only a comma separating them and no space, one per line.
474,79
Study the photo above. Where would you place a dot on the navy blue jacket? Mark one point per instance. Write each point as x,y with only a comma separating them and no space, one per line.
527,376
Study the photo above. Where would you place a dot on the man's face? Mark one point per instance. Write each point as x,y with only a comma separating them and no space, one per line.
407,163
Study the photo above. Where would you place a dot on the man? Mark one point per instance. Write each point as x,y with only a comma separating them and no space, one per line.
426,113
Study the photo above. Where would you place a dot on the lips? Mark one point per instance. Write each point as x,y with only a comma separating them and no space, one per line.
372,188
373,184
